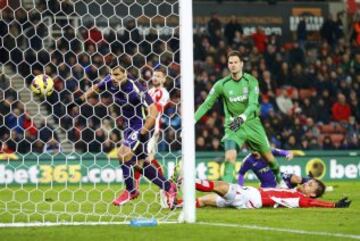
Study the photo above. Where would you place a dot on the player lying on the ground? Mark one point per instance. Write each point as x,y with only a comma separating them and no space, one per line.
261,169
133,100
234,195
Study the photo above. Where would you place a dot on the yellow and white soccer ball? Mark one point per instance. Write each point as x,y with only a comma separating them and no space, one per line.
42,85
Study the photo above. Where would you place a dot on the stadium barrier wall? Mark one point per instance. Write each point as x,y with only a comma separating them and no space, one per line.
90,168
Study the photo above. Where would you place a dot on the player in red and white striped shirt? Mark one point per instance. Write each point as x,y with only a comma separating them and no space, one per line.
160,97
234,195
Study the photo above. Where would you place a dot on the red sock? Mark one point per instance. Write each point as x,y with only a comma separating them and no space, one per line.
157,165
137,176
197,203
204,185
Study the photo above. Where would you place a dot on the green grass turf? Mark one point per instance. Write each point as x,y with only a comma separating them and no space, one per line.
344,221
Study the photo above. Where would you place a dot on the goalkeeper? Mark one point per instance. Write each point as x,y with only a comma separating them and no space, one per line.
239,93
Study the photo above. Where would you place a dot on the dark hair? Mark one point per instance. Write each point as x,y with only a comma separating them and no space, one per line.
160,69
114,64
320,189
235,53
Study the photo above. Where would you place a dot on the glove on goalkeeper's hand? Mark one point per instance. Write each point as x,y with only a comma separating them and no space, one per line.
236,123
343,203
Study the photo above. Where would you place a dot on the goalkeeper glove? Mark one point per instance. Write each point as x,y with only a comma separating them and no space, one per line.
343,203
236,123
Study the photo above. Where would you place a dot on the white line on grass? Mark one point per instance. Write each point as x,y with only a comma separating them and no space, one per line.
283,230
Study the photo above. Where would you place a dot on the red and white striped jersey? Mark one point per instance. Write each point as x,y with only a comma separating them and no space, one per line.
160,96
291,198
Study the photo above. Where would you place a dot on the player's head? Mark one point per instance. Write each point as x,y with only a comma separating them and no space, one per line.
159,77
235,63
118,73
312,188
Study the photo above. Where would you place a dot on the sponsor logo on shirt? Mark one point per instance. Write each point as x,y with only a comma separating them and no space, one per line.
240,98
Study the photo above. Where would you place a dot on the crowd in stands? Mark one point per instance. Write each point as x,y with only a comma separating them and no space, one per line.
76,61
309,90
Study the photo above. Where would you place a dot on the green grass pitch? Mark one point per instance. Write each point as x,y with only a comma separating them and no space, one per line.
212,224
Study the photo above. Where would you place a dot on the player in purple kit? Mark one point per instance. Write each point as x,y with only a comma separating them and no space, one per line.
134,101
263,172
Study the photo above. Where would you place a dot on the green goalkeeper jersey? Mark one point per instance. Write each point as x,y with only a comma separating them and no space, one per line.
238,97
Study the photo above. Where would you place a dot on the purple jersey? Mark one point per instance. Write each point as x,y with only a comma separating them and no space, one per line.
260,168
131,97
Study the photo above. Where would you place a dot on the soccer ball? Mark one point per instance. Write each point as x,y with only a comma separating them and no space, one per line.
42,85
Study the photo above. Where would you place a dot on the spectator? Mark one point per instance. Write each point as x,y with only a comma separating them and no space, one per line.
328,144
328,31
265,107
284,103
231,28
301,33
259,38
214,24
341,111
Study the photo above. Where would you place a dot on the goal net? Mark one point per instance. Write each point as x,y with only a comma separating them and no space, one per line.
59,159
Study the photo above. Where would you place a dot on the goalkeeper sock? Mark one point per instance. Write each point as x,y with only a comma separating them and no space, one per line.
128,173
152,173
204,185
229,172
275,168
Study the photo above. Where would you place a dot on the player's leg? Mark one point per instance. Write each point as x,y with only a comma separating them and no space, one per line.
259,142
231,141
212,200
224,189
127,161
154,173
273,164
151,150
230,161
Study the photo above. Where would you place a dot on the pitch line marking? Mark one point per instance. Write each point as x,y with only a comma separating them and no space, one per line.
284,230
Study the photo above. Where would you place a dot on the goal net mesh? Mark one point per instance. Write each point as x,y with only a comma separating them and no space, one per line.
58,160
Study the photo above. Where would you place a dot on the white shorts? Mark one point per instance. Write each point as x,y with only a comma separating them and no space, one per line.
246,197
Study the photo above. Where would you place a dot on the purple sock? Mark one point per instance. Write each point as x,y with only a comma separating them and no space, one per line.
128,175
241,180
155,177
280,152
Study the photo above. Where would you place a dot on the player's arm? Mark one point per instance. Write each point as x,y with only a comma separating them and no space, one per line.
150,119
91,91
306,202
152,110
94,89
209,102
